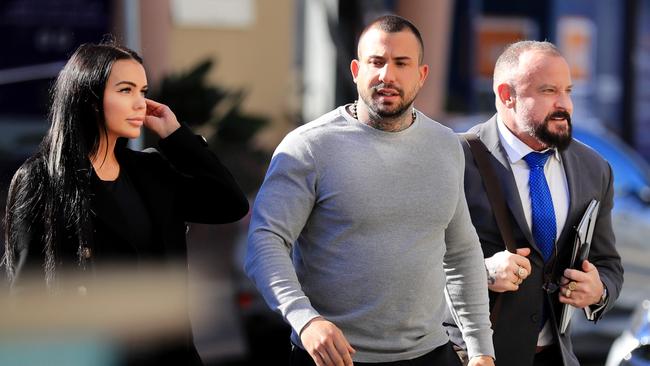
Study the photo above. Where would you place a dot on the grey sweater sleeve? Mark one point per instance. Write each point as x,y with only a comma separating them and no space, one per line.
281,209
466,277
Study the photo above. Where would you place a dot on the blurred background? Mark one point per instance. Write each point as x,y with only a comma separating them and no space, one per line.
245,72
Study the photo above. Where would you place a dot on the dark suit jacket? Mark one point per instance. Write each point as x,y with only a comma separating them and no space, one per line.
187,184
518,321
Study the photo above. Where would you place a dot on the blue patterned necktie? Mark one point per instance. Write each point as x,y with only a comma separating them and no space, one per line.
543,213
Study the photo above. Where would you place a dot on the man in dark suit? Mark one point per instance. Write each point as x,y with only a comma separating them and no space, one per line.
548,180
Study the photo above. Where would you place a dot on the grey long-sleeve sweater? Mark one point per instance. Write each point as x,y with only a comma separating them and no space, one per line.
377,227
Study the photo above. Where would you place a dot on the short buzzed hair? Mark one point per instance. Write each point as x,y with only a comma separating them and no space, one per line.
393,24
509,59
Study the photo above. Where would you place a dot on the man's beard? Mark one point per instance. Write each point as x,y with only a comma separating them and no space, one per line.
560,140
374,109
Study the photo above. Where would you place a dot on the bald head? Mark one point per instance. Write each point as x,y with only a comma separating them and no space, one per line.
393,24
506,69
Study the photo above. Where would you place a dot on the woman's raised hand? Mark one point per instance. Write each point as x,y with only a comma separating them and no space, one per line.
160,119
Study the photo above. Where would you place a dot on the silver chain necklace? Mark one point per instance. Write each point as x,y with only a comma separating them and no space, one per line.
354,111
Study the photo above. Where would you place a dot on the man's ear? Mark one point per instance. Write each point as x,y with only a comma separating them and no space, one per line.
354,69
424,72
506,95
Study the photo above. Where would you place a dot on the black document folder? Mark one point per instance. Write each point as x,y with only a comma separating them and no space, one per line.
580,252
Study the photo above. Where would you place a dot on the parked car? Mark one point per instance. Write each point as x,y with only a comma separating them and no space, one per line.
631,221
632,348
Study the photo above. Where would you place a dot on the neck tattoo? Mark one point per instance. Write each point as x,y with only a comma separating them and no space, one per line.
382,125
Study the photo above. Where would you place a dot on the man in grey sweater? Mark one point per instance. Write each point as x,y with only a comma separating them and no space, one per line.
361,225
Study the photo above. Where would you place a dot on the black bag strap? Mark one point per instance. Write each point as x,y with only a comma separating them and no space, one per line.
497,201
494,192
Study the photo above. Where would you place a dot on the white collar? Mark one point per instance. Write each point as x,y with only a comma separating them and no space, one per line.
515,148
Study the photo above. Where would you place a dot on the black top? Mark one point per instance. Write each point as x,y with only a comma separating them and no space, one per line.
132,208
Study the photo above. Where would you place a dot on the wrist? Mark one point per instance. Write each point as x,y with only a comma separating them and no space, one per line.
481,360
309,323
490,274
169,129
484,357
603,297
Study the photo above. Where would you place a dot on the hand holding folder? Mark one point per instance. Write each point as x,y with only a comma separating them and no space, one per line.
580,252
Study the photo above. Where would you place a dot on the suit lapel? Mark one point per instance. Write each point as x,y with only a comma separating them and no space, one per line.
489,134
571,166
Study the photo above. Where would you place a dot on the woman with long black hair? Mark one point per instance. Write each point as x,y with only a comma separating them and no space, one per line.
85,199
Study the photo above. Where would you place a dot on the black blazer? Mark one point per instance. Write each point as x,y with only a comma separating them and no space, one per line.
588,176
186,184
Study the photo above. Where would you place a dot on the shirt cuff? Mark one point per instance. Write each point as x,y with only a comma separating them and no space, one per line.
298,318
592,311
480,346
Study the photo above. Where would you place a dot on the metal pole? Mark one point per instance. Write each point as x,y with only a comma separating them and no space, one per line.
132,41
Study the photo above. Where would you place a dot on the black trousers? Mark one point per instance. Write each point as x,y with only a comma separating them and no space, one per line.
443,356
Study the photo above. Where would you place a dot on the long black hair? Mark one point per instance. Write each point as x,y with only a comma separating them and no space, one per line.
52,189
